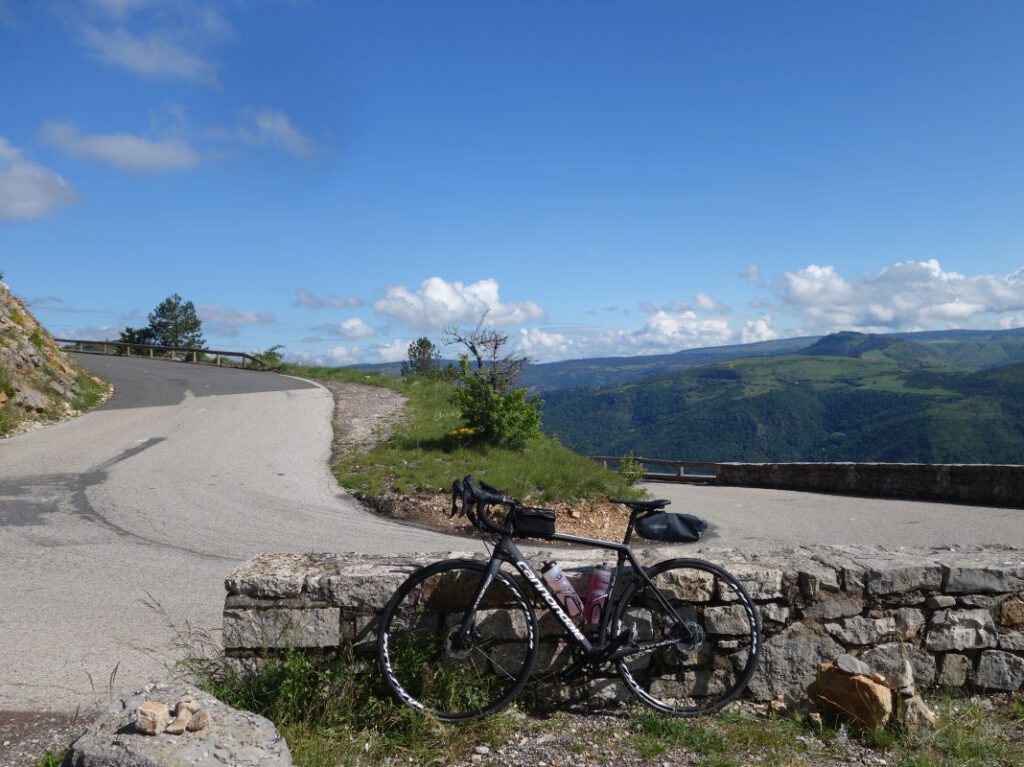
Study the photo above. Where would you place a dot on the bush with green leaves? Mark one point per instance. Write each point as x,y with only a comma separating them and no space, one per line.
507,418
497,413
630,469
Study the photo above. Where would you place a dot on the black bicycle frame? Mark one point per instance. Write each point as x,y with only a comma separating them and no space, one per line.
507,551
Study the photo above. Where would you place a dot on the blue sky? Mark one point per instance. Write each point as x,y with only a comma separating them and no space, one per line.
601,178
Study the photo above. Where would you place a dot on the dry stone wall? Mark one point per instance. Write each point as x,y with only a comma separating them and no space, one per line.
964,483
956,615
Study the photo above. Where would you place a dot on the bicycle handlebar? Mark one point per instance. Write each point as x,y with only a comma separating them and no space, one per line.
475,497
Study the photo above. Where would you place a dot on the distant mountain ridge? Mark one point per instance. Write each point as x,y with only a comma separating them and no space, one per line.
932,398
976,349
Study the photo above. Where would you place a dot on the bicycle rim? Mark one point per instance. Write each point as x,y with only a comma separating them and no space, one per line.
423,662
705,663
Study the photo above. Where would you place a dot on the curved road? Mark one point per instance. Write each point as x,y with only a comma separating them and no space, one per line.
120,523
758,519
150,501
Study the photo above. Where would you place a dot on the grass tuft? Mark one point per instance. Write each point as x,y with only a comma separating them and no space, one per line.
337,712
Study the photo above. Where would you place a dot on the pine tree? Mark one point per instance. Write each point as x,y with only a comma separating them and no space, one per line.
174,322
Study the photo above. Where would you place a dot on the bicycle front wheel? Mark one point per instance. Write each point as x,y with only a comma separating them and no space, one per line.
431,667
701,659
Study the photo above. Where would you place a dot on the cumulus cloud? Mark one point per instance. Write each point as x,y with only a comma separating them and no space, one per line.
224,321
312,301
541,345
93,333
124,151
707,303
156,54
336,355
437,303
758,330
27,189
351,328
267,128
911,295
393,351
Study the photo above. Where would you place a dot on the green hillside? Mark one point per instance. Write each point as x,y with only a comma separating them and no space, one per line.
847,397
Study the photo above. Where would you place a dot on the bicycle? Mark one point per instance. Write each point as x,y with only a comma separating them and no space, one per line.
459,638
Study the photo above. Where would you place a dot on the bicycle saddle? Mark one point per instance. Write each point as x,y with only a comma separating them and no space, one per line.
643,505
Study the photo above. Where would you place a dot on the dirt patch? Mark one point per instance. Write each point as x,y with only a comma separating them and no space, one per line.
366,415
363,415
26,735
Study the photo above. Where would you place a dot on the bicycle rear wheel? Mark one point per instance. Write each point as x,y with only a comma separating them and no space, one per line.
428,668
701,662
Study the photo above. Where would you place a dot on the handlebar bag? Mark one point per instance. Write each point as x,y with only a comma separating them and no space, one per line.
534,523
670,527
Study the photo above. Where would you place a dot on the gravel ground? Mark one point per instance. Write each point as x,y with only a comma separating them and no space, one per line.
26,735
589,739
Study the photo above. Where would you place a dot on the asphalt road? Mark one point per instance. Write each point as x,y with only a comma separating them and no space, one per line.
121,524
758,519
116,525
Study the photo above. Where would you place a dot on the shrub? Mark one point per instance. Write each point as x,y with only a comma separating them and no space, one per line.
630,469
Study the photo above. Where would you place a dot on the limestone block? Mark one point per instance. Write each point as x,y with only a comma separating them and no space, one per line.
832,609
888,660
861,631
731,620
956,670
814,579
851,697
1012,641
789,661
759,583
940,602
232,737
999,671
257,629
774,613
361,586
976,600
899,576
971,578
961,630
151,717
1011,613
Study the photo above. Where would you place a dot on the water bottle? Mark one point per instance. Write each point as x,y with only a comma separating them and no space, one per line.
562,589
597,594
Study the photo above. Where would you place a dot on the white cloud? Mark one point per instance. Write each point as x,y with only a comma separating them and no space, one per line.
752,274
124,151
311,301
267,127
27,189
1012,321
336,355
351,328
224,321
101,333
758,330
911,295
156,54
437,303
707,303
541,345
393,351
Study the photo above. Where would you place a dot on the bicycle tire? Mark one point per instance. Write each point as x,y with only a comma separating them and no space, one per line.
712,668
422,666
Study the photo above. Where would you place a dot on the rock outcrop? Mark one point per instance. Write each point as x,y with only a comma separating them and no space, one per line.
38,382
228,737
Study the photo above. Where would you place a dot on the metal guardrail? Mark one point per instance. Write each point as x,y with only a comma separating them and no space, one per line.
176,353
683,471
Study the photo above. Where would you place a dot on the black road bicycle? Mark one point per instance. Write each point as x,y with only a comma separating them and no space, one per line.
459,638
